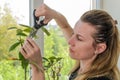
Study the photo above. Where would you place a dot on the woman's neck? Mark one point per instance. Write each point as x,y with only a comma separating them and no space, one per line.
85,65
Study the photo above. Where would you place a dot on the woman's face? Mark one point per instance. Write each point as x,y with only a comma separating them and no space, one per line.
81,42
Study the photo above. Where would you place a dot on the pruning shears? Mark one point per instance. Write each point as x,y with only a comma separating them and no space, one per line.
37,25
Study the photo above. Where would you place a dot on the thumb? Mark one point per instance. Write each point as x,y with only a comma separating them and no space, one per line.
46,20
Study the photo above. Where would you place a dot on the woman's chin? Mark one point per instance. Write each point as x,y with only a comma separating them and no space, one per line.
71,55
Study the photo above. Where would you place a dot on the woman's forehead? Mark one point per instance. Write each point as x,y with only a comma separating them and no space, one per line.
84,28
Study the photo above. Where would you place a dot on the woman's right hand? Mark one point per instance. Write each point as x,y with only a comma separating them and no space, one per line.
45,11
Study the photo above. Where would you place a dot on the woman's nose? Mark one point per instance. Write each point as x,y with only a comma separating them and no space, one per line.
71,41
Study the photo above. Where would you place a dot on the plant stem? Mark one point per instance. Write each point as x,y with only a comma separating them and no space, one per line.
57,77
48,75
25,70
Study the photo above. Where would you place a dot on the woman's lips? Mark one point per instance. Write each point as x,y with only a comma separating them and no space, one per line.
71,51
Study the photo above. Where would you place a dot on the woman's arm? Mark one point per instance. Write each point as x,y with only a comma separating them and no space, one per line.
37,74
64,25
49,14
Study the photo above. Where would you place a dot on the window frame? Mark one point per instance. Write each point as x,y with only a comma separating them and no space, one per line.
33,4
96,4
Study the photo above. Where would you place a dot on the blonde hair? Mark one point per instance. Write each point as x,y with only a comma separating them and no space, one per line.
105,64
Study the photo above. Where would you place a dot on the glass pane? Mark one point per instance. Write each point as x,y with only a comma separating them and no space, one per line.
71,9
12,13
19,9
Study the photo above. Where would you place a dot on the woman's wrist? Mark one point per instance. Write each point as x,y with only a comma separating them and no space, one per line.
37,67
37,73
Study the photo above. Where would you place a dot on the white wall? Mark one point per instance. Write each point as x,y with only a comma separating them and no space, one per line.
113,8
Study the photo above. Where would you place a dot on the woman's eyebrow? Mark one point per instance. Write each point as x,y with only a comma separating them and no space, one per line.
80,35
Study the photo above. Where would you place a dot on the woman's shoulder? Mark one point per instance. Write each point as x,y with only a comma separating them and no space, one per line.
100,78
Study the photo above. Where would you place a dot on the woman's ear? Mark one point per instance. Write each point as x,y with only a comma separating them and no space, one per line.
101,47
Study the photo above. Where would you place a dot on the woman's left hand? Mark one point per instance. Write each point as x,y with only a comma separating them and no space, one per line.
31,51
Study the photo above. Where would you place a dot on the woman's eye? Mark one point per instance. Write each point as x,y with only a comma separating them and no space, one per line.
72,33
78,38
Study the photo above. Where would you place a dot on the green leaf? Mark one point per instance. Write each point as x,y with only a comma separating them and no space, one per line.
21,56
19,30
12,28
52,57
12,47
45,59
24,25
21,41
46,67
28,30
21,34
24,62
58,59
45,30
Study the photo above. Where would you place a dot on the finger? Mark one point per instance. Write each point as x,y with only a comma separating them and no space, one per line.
39,12
32,42
23,52
46,20
29,44
28,47
35,49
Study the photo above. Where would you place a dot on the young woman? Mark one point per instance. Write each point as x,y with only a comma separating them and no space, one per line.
93,43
